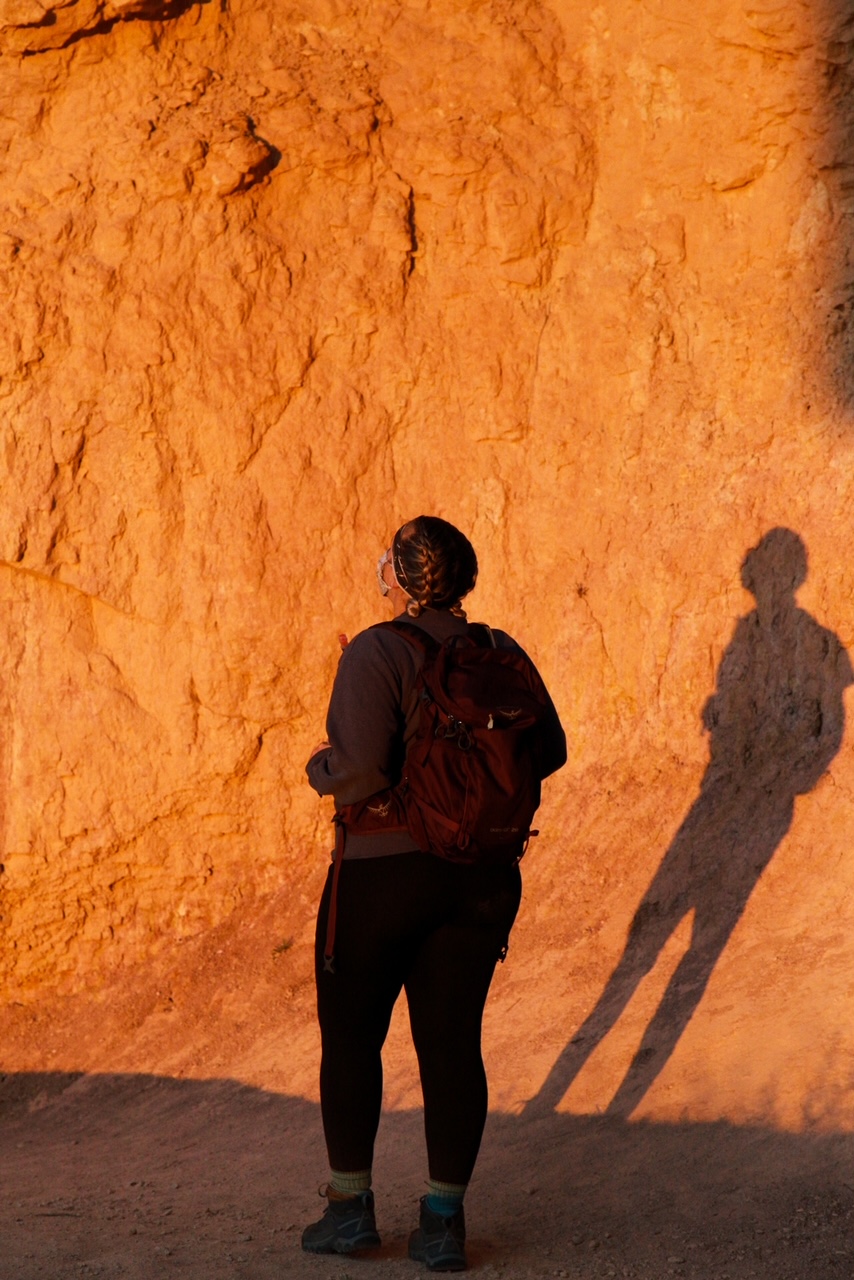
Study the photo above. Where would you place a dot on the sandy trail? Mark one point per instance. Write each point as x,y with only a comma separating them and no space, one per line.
167,1125
132,1174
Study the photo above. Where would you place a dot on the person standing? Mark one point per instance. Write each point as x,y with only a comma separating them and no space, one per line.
405,918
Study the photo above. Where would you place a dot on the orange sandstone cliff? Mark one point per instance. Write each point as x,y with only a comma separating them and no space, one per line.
575,276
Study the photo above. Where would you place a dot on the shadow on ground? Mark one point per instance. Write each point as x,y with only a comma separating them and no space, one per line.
138,1176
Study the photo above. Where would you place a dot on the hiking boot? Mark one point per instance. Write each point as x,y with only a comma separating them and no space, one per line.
348,1225
439,1242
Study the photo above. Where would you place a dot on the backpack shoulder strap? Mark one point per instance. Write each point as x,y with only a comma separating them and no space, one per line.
482,635
417,636
479,632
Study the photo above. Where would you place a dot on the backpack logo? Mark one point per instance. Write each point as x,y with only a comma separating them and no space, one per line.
381,810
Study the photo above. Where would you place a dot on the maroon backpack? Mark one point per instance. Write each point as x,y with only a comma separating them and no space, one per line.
471,779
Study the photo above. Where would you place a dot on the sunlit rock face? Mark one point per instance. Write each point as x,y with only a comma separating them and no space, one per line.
29,26
575,276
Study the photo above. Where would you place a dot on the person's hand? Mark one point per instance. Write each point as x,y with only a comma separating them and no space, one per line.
321,746
343,640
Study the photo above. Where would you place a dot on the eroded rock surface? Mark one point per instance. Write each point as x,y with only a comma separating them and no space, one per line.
275,277
29,26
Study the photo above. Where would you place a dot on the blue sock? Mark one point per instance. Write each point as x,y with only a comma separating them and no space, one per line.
445,1198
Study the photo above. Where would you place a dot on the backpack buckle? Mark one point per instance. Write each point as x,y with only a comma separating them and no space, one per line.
455,730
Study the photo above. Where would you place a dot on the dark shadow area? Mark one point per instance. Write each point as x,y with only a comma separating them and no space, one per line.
775,722
137,1176
834,159
273,151
147,11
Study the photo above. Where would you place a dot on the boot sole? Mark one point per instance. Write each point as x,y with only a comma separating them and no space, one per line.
451,1264
360,1243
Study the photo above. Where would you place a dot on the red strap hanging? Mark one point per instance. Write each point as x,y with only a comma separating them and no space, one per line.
329,948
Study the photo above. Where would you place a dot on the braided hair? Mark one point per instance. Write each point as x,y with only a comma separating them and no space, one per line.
434,563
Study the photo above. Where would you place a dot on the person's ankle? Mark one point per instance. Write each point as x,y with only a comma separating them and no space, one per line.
344,1185
445,1198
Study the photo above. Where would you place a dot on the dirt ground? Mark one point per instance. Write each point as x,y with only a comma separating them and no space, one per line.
167,1124
135,1176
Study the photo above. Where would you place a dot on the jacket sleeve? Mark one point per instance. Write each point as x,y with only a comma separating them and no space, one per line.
552,746
364,724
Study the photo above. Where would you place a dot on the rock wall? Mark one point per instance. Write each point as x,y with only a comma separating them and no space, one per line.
575,276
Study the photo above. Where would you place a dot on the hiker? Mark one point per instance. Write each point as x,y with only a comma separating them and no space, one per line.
403,917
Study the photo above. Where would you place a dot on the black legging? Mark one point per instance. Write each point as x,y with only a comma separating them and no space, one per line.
435,928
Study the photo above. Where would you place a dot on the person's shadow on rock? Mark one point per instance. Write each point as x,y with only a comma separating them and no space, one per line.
775,722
